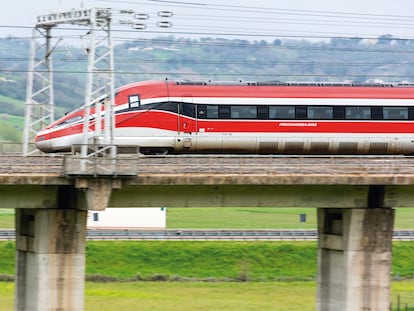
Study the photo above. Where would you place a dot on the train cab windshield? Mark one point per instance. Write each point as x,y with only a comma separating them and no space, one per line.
69,121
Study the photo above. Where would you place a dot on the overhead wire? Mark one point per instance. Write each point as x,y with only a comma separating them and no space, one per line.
268,14
331,19
208,74
83,59
269,10
245,43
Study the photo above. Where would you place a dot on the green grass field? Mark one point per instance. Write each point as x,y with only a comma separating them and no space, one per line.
6,218
267,266
166,296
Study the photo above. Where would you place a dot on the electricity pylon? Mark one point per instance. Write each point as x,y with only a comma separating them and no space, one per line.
39,107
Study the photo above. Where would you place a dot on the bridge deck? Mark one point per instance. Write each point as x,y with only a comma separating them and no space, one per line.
349,170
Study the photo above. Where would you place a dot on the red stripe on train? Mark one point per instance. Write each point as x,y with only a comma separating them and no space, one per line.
171,122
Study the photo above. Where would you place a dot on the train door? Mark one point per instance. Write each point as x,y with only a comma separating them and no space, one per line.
187,122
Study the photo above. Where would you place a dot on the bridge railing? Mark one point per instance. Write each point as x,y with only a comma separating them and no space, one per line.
100,163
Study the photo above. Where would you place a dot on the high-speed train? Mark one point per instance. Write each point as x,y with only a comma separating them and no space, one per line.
160,117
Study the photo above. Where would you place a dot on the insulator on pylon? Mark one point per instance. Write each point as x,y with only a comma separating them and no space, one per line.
139,26
165,14
164,24
141,16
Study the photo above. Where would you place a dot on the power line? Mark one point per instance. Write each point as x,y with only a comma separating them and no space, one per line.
267,10
64,60
206,74
242,32
335,19
273,16
250,15
239,43
271,20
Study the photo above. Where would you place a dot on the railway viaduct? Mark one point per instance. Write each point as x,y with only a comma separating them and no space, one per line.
354,197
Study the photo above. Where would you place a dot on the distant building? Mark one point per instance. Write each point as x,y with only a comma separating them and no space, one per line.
146,218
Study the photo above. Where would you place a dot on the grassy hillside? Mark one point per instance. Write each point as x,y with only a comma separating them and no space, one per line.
284,59
232,260
204,260
11,128
11,119
9,105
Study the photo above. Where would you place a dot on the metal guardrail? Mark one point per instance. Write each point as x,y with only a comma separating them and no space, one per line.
7,234
205,235
188,234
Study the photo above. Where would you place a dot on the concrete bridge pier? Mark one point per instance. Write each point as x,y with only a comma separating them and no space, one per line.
354,259
50,255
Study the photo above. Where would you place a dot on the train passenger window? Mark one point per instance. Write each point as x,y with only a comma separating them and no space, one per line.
224,112
376,113
300,112
358,113
202,111
212,112
187,109
395,113
281,112
134,101
320,113
263,112
243,112
339,112
207,112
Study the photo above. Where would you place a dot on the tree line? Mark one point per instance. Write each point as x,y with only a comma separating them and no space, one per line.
384,58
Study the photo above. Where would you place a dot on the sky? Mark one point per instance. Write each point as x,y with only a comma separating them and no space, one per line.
257,20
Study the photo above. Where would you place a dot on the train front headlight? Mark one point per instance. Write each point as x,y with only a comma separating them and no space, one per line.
43,144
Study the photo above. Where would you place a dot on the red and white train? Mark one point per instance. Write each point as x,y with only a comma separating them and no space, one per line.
251,117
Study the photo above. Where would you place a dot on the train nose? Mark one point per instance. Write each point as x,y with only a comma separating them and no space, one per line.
43,144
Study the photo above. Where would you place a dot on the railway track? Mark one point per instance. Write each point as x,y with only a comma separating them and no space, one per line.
280,165
17,164
205,235
219,164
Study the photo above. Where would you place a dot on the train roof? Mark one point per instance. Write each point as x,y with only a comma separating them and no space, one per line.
269,89
298,83
367,84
